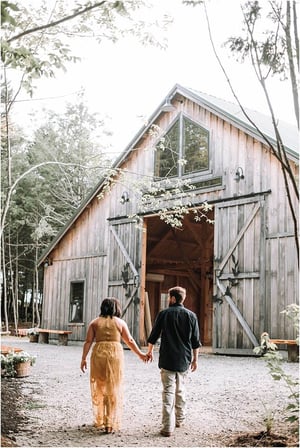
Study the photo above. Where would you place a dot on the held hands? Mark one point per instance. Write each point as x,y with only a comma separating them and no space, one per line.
149,356
146,357
143,357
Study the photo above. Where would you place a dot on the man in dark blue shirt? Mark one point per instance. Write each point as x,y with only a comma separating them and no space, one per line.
179,332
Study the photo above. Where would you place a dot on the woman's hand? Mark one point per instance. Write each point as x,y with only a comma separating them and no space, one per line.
83,365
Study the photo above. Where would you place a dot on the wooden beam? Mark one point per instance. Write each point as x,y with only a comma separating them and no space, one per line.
193,278
129,301
160,240
143,298
168,261
239,276
174,271
195,234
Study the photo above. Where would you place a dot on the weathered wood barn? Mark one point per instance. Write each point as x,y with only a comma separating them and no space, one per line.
239,266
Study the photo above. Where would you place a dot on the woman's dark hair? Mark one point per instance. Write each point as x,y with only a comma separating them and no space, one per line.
110,307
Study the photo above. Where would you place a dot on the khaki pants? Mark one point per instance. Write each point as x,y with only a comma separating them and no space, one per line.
173,399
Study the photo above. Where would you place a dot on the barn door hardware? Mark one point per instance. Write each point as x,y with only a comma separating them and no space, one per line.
235,270
127,281
217,299
136,281
125,275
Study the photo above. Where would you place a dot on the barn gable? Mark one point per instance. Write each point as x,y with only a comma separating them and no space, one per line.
236,271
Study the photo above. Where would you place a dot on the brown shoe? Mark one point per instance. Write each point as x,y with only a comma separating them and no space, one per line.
108,430
179,424
165,433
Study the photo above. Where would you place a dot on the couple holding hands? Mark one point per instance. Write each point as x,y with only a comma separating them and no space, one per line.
178,353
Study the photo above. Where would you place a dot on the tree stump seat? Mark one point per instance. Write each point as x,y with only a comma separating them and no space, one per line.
292,348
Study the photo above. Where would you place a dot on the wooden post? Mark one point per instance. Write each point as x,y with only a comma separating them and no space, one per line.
293,352
44,338
62,339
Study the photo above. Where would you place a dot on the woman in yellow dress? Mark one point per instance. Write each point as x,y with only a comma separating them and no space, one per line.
107,363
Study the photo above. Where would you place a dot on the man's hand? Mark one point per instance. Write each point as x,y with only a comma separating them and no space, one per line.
194,365
149,356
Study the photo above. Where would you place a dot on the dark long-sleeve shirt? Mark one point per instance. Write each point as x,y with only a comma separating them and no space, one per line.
179,331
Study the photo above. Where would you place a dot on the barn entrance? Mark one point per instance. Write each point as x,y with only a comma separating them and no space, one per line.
181,257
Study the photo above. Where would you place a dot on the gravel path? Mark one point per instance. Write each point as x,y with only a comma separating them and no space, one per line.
226,396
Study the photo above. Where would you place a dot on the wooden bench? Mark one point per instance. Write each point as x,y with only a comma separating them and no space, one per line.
22,332
62,335
292,348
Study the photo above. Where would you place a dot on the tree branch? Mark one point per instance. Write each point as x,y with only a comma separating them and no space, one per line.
13,186
280,154
57,22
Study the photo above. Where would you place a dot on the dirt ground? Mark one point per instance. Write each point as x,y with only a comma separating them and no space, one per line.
228,400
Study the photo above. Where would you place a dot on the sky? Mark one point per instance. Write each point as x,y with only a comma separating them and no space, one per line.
126,81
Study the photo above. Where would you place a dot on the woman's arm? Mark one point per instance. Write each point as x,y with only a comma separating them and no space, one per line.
129,341
87,345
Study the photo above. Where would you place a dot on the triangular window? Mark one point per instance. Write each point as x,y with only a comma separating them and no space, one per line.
183,150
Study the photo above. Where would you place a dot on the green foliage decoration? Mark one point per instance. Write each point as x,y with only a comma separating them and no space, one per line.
275,364
9,362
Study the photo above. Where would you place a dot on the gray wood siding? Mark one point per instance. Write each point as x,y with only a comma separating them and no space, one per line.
125,244
237,231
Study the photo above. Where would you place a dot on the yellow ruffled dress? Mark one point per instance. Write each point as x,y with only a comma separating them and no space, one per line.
106,379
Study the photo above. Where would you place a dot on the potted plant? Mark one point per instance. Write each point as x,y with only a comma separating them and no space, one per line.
33,334
16,364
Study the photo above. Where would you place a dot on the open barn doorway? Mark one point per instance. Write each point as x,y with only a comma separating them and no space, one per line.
181,257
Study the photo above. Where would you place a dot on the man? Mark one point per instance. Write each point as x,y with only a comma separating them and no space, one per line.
179,331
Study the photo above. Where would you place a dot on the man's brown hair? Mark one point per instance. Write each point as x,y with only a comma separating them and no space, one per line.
178,292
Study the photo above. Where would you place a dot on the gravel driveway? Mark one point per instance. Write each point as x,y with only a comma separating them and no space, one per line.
226,396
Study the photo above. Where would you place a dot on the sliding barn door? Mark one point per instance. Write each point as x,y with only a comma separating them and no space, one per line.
239,289
124,269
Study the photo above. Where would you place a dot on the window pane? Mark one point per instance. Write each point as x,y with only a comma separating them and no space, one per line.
166,157
195,141
76,302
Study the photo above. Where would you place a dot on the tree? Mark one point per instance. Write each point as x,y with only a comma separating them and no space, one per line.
75,163
273,52
73,141
277,53
35,50
39,49
35,43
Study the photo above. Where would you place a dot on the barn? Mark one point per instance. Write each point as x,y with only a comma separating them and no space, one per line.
196,199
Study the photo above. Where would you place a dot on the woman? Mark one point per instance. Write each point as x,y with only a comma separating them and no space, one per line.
107,360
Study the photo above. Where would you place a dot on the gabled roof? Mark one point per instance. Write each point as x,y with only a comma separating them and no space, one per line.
224,109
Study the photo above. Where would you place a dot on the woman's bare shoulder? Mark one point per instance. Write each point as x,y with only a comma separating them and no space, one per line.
94,321
120,322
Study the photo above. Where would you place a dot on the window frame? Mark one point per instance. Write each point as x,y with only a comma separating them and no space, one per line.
71,299
180,168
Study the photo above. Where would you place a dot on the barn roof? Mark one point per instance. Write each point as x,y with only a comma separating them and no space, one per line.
226,110
229,112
